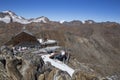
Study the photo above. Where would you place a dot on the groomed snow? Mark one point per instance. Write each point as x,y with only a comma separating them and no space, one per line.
58,64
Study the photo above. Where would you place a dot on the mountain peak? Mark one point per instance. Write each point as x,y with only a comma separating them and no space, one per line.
62,21
9,12
7,16
42,19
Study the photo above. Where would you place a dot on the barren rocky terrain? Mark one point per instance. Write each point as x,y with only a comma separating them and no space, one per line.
94,47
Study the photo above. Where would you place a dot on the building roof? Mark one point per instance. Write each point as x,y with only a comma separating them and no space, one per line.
22,37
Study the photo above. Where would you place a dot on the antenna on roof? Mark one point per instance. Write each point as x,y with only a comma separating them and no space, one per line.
24,28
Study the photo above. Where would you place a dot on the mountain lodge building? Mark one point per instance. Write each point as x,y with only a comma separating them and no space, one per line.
23,39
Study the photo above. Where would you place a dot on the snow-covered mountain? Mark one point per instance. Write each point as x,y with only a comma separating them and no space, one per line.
40,19
9,16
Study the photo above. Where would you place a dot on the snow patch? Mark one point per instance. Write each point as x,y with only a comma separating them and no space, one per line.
6,19
47,42
62,21
58,64
47,49
22,21
52,48
42,19
113,77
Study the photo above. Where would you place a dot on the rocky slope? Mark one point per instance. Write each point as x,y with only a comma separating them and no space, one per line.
94,47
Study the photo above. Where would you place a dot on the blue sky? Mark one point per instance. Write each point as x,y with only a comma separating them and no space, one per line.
97,10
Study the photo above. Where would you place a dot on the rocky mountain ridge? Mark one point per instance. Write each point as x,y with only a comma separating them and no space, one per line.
9,16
